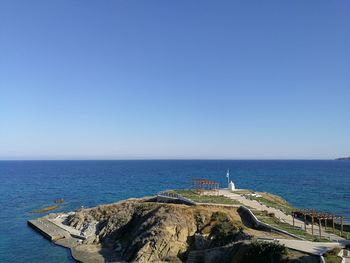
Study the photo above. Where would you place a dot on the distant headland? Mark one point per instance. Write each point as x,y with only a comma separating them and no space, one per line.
343,159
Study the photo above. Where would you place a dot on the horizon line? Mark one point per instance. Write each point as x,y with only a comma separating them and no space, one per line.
179,159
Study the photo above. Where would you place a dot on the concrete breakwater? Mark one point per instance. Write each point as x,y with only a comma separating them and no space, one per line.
52,228
48,229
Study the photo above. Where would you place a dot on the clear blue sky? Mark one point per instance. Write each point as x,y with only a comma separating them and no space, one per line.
174,79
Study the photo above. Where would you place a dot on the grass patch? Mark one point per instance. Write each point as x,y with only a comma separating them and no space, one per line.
45,209
242,192
331,256
213,199
273,221
337,232
272,201
345,235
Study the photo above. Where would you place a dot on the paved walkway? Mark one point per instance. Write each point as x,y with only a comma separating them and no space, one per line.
315,248
279,214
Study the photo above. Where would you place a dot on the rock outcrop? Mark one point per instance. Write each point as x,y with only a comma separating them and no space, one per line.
153,232
144,230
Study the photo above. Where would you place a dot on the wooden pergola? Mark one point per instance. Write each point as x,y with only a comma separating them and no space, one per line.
319,217
201,185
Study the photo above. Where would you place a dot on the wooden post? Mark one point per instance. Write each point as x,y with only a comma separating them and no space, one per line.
312,221
333,224
325,223
319,226
293,218
304,219
341,226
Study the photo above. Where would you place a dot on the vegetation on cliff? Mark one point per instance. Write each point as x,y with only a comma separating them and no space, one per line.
262,252
331,256
271,200
154,232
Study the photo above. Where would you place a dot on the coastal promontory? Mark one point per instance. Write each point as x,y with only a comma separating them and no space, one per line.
190,227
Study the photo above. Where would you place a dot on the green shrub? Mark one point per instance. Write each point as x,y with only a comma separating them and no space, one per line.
334,252
223,231
265,252
331,256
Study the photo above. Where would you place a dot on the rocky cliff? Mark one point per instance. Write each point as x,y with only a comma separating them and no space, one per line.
145,230
153,232
138,230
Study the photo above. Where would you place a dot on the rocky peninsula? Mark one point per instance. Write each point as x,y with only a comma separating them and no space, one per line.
174,228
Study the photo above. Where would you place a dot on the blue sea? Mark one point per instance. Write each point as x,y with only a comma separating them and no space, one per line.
29,185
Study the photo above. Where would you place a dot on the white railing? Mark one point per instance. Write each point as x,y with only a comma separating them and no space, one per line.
175,196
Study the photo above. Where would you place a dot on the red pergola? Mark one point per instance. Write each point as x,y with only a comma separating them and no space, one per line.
205,185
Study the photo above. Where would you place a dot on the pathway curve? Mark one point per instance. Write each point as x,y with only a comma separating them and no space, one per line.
279,214
315,248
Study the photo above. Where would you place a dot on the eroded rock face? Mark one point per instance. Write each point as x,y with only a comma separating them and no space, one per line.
152,232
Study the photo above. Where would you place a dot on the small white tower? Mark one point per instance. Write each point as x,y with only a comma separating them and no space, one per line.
231,185
228,176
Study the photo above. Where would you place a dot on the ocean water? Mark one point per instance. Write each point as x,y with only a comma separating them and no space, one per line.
29,185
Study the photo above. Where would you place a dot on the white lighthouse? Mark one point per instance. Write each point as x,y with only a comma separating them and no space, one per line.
231,185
